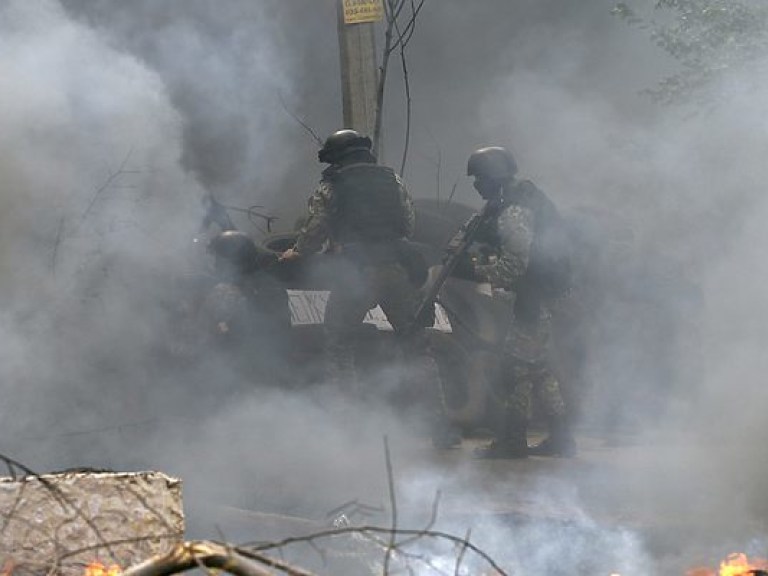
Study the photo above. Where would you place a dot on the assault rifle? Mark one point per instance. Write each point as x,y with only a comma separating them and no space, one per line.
454,252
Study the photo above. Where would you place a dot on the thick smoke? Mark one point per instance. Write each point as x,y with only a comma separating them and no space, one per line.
95,208
685,336
119,116
237,72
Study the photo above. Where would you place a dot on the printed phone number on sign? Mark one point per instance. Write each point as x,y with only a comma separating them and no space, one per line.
362,10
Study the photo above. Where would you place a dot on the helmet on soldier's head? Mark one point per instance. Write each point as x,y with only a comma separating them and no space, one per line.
493,163
237,249
341,143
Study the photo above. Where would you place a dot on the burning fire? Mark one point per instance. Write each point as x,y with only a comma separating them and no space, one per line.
734,565
99,569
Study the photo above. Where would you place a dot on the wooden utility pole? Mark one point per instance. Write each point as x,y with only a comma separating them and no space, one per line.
359,75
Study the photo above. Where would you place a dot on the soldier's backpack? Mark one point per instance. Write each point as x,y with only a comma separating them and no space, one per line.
368,205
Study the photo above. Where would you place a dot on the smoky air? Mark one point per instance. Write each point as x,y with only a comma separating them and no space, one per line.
122,120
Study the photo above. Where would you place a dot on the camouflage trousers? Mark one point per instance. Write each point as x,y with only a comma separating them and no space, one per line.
525,373
359,289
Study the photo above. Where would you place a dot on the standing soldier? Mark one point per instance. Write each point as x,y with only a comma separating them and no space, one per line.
362,212
531,262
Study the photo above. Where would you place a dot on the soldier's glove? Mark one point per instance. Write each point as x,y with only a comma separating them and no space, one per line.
289,255
465,268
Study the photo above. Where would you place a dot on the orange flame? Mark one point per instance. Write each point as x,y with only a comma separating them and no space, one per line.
99,569
738,564
735,565
8,567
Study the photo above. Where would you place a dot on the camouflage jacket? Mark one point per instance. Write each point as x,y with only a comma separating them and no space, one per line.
319,230
514,234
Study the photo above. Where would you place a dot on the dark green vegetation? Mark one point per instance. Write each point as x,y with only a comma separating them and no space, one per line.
709,39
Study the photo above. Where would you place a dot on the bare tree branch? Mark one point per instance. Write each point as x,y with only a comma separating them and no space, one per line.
366,530
396,36
393,506
391,15
460,557
9,515
408,103
190,555
393,548
307,128
107,183
117,542
274,563
430,523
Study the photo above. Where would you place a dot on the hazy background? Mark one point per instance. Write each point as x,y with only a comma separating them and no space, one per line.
118,116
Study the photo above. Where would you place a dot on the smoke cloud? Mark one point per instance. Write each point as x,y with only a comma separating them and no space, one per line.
91,187
118,117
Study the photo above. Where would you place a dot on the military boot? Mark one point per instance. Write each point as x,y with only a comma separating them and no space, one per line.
560,441
511,443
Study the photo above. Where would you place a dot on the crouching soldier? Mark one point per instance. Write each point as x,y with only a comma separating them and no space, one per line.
246,315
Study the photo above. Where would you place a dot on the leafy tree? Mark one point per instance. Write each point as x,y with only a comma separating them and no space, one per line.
710,39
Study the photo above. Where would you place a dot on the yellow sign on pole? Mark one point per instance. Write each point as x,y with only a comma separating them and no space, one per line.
358,11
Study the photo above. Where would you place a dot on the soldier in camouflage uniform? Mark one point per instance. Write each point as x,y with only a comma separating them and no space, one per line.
530,263
362,212
245,316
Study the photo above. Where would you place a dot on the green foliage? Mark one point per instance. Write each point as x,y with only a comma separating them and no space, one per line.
709,39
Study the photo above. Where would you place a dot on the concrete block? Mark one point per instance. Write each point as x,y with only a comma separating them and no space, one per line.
66,521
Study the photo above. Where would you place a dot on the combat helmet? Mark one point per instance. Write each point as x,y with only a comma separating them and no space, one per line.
341,143
492,163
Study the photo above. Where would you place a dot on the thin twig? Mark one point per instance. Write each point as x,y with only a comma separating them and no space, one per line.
30,525
352,508
118,542
430,523
251,212
107,183
274,563
411,25
391,16
380,530
56,245
393,505
307,128
63,500
438,163
408,557
463,551
149,508
16,501
408,103
453,191
392,10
